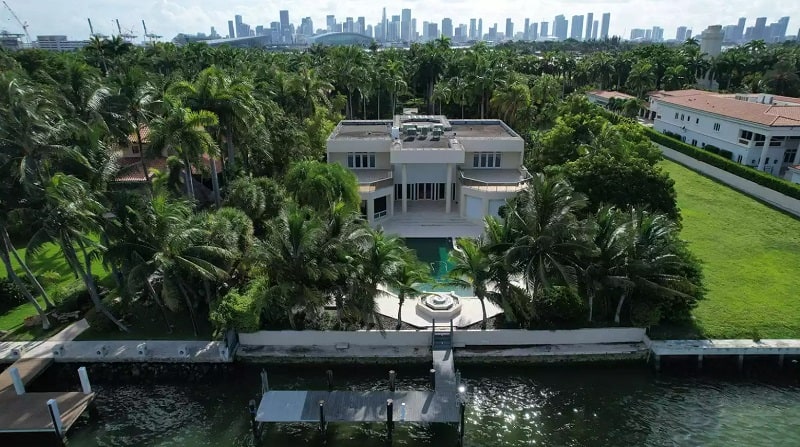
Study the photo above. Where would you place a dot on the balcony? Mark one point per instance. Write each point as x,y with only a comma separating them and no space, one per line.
371,180
494,180
427,150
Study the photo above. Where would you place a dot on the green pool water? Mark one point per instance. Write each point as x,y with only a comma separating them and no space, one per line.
435,252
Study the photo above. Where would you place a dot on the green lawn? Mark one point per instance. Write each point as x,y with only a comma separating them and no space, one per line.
750,254
55,275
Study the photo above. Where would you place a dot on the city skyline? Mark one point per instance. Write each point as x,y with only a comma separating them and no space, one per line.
170,17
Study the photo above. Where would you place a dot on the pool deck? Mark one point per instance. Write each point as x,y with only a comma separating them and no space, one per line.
470,314
427,219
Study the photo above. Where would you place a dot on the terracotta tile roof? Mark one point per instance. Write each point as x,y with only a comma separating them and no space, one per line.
131,169
728,106
144,131
607,94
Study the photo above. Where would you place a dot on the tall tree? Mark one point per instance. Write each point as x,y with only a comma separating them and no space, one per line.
471,269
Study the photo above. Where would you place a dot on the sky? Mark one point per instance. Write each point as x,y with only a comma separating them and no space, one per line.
169,17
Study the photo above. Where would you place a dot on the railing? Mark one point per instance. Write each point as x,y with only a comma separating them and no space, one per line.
495,186
377,184
380,214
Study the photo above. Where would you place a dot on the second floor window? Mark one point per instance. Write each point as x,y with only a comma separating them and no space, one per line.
486,160
360,160
716,127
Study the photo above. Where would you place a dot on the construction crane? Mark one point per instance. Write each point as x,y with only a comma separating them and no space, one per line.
150,36
24,25
129,36
92,33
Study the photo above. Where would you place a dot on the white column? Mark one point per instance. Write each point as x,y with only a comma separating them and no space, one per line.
391,204
763,160
462,206
448,189
405,189
370,210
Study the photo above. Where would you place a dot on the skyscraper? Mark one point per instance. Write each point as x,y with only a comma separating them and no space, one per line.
680,35
361,25
414,35
348,25
560,26
473,29
543,30
330,22
577,28
447,27
405,24
384,25
231,32
526,31
589,24
237,21
433,31
604,26
480,29
284,20
533,34
760,29
595,28
740,29
638,34
394,29
509,29
658,34
783,25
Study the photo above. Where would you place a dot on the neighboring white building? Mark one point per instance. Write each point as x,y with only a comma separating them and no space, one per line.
59,43
464,167
760,130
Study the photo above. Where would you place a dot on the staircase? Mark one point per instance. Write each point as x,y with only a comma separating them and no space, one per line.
442,337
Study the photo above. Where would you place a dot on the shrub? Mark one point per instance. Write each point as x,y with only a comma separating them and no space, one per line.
711,148
236,311
726,153
10,295
726,164
72,298
559,307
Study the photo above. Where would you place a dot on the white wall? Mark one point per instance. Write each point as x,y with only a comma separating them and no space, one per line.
494,207
501,337
422,173
509,160
518,337
378,144
332,338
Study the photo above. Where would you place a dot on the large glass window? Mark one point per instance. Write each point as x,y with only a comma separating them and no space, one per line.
487,160
788,156
360,160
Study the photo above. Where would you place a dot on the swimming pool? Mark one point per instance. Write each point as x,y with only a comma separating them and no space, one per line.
435,252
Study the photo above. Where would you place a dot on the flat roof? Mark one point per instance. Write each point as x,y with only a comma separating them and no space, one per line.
609,94
362,130
481,128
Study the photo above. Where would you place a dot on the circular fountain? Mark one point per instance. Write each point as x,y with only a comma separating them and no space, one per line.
439,305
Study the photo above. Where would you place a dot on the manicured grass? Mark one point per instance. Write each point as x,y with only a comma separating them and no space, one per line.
750,255
55,275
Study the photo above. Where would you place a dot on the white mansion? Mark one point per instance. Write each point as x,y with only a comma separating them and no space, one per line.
760,130
463,168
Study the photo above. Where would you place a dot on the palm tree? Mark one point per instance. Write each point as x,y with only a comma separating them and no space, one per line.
641,78
471,268
135,97
184,131
675,77
441,93
394,76
168,249
71,214
379,261
460,92
408,276
549,239
601,67
512,102
783,79
230,99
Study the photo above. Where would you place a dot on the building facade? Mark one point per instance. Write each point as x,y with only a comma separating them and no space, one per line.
464,167
759,130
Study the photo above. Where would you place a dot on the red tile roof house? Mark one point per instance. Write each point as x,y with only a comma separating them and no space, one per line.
759,130
132,174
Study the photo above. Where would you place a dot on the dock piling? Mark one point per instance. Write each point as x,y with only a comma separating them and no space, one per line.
264,382
389,417
657,362
329,375
19,386
461,410
322,416
740,362
780,360
55,415
700,362
251,406
403,412
433,378
86,386
392,377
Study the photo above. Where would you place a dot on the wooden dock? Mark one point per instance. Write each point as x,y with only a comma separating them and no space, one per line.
717,348
28,412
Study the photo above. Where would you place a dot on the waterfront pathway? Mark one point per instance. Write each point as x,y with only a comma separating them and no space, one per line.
762,193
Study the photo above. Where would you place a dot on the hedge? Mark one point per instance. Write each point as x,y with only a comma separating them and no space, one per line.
726,164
